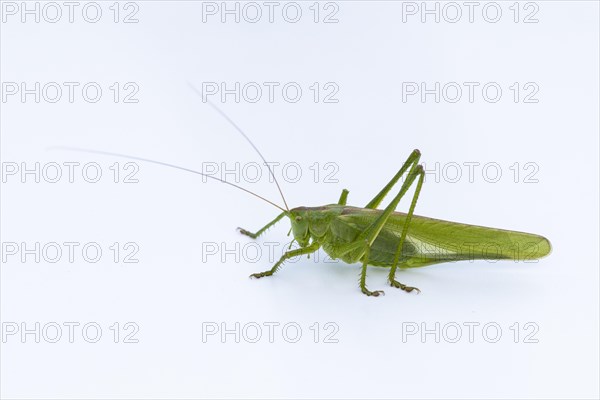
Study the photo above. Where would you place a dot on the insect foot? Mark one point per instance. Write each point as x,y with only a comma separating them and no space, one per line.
245,232
374,293
399,285
261,274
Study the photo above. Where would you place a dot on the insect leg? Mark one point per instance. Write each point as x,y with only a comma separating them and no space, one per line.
371,233
343,197
363,245
412,160
363,274
263,229
289,254
368,236
392,276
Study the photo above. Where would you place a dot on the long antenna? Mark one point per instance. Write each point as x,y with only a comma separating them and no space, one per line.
245,137
106,153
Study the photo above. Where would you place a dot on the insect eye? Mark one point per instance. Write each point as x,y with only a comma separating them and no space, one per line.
298,218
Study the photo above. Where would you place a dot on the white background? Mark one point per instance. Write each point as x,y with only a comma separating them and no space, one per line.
176,288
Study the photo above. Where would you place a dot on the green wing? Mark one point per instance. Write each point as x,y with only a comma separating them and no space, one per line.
456,241
431,241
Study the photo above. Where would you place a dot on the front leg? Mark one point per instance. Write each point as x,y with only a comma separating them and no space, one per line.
289,254
263,229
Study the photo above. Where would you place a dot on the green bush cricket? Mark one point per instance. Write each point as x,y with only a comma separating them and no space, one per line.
386,238
382,237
